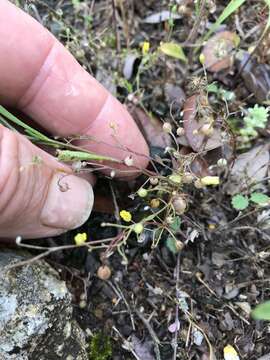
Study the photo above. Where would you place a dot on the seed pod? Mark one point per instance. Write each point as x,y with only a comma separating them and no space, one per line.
82,304
187,178
142,192
180,131
169,220
175,178
154,203
167,127
179,205
104,272
129,161
207,130
179,245
222,162
153,180
138,228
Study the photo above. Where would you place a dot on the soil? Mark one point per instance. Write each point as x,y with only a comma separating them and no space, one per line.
207,290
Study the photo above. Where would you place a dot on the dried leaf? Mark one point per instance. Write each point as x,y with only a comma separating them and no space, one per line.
192,126
248,168
161,17
142,348
129,65
217,53
256,76
174,95
151,128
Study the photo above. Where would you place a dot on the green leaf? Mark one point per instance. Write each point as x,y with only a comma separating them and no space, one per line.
213,88
171,245
175,225
259,198
173,50
28,129
262,311
240,202
229,9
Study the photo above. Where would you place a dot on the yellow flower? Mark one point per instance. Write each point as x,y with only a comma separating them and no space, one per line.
80,238
212,226
125,215
145,47
230,353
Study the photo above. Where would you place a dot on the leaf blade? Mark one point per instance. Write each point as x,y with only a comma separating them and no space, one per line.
262,311
173,50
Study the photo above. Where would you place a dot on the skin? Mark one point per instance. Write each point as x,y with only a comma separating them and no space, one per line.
41,78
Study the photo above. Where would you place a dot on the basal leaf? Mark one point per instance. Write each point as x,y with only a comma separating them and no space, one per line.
262,311
240,202
259,198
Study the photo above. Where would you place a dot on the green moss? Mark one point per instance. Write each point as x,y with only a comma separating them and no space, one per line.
100,347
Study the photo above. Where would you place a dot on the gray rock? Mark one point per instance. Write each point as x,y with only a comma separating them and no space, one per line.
36,313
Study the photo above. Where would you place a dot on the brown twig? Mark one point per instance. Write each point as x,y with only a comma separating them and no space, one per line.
118,44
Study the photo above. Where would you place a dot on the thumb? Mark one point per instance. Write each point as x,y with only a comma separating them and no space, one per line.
38,196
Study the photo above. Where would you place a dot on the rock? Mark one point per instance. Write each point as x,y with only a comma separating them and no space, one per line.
36,313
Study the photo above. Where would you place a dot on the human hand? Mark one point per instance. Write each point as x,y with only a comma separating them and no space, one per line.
41,78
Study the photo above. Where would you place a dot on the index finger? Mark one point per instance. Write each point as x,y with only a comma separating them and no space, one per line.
42,78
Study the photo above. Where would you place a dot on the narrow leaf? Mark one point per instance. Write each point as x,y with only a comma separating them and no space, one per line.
70,155
229,9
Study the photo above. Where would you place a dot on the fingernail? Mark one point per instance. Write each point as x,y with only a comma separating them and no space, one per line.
69,202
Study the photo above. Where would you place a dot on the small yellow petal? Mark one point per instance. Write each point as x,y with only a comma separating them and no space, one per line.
125,215
230,353
210,180
212,226
145,47
80,238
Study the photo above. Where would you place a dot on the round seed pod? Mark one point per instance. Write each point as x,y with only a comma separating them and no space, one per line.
207,130
167,127
179,245
154,203
104,272
222,162
179,204
180,131
142,192
153,180
138,228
